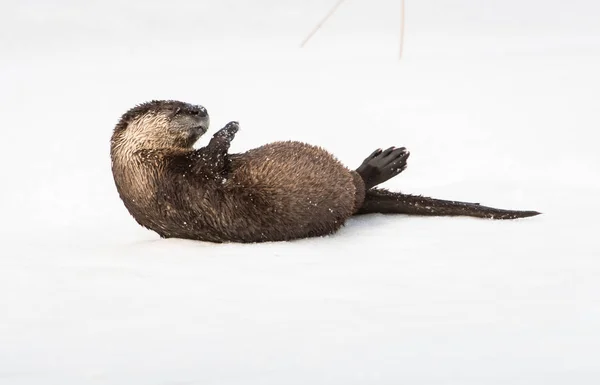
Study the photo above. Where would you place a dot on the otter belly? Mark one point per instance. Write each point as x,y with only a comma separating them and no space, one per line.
288,190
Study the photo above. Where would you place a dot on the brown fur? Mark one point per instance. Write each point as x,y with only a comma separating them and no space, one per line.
280,191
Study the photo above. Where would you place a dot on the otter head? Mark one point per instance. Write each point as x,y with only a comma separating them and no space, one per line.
161,124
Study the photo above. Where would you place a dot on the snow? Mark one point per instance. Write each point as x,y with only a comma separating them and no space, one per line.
498,104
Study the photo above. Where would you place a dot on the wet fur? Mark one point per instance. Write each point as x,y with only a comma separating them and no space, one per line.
280,191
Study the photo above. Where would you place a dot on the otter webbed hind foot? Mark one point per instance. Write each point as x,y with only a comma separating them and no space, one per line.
381,165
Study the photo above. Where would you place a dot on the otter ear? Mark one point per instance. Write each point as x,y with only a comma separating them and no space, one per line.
175,112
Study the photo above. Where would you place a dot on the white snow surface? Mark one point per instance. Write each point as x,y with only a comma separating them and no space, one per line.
498,102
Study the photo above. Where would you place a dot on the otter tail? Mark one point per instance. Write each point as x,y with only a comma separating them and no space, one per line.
383,201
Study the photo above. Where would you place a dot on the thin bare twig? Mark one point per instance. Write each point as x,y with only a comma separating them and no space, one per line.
318,26
401,31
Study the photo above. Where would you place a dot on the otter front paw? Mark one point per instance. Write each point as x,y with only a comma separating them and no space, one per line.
228,132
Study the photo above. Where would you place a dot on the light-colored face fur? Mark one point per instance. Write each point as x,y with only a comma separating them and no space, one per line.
164,129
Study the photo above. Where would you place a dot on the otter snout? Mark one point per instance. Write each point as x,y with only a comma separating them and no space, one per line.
199,115
202,112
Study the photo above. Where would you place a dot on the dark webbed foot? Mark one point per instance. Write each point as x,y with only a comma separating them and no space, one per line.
381,165
213,158
228,132
221,140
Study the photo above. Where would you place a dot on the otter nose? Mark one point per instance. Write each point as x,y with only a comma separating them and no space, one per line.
201,111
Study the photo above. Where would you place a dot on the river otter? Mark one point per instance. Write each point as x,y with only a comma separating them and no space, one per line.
280,191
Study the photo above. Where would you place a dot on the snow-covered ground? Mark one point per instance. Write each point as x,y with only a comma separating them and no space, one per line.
498,102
